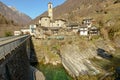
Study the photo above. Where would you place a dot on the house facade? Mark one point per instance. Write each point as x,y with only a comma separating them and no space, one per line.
32,28
25,31
87,28
59,23
87,22
83,30
93,31
73,27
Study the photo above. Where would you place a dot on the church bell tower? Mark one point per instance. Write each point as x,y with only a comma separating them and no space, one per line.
50,11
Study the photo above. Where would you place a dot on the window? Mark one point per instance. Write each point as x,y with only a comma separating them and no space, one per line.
83,31
50,6
32,30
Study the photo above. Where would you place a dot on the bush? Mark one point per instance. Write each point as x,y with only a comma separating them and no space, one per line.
113,30
8,34
117,1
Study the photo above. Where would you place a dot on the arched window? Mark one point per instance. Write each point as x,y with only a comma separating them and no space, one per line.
50,6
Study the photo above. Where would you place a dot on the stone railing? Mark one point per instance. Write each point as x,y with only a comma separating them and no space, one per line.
8,45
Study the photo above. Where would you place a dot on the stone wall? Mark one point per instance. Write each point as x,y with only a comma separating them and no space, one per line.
16,66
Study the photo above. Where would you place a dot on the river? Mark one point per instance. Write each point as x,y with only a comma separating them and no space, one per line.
53,72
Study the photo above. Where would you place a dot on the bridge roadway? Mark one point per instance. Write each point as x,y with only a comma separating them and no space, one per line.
10,43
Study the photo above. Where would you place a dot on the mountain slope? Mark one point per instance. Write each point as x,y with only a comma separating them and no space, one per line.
68,6
71,9
7,26
14,15
106,14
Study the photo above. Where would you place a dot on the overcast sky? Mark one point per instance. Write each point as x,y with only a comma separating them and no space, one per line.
32,8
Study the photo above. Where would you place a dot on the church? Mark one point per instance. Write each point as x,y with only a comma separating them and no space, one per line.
48,21
48,26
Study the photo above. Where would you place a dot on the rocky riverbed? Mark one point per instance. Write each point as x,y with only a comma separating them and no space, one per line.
77,62
76,55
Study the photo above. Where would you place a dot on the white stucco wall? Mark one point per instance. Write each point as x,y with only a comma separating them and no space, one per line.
32,28
25,31
84,33
89,25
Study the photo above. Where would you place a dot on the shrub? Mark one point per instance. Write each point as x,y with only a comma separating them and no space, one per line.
113,30
8,34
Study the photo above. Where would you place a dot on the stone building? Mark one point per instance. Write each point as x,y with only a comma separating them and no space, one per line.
73,27
31,30
48,25
48,21
59,23
45,21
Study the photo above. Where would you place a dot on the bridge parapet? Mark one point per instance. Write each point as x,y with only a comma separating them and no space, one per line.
14,62
7,46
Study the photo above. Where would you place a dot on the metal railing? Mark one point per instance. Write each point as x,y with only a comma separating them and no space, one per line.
7,46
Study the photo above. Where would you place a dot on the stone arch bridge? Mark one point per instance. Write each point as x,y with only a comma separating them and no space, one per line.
15,58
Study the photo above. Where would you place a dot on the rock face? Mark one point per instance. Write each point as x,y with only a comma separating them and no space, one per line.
46,52
16,66
106,45
77,61
117,42
76,54
37,74
76,58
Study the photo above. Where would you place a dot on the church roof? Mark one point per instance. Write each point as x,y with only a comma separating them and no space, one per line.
60,20
50,3
44,17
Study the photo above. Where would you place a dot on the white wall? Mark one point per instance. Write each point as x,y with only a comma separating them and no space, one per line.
32,28
16,33
85,33
25,31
